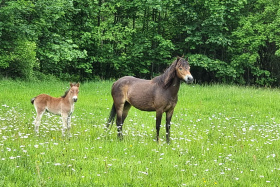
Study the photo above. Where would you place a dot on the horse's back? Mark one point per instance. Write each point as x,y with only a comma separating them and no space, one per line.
128,80
138,92
127,83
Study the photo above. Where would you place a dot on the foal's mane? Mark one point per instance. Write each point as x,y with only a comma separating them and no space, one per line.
66,92
165,80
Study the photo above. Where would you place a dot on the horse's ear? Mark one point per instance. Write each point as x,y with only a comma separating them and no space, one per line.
187,59
71,84
178,58
78,84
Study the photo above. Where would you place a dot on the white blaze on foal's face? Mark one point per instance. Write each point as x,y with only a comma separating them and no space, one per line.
74,91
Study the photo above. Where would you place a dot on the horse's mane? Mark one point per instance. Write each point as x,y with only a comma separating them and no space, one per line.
165,80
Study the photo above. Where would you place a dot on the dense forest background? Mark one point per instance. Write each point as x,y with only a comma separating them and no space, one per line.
229,41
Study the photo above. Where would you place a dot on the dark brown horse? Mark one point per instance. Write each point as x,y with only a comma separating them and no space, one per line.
159,94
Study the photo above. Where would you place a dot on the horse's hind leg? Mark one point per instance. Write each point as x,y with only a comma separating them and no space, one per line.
119,121
126,108
122,111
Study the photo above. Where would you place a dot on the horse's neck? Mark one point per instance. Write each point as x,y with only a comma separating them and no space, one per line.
175,86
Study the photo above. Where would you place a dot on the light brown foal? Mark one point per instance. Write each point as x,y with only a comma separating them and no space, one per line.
63,106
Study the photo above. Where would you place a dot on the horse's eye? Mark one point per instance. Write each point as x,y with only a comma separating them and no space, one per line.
180,69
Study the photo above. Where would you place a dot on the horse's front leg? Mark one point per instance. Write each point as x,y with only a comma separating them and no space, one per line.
167,126
158,122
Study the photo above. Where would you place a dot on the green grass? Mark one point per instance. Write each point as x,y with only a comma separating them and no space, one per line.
220,136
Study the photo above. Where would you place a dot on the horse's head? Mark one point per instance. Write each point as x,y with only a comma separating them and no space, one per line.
74,90
183,70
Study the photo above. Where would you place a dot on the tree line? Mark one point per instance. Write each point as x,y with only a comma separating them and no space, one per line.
229,41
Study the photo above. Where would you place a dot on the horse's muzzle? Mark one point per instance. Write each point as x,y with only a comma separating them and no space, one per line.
188,78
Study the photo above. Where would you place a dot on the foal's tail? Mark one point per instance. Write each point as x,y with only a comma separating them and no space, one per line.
32,100
112,116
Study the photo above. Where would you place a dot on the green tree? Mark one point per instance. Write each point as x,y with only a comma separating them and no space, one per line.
255,49
226,40
17,50
57,52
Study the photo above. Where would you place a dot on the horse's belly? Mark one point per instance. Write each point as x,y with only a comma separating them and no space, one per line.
144,104
144,108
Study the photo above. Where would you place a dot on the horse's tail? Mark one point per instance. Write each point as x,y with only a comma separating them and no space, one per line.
112,116
32,100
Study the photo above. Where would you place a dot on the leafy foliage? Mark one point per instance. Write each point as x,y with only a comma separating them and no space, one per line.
215,70
234,41
254,51
17,51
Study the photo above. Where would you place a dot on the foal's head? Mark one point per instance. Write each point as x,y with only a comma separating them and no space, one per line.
183,70
74,90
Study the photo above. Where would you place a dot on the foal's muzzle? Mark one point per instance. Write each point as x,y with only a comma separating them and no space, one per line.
75,98
188,78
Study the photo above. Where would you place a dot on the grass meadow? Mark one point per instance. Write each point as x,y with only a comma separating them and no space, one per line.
220,136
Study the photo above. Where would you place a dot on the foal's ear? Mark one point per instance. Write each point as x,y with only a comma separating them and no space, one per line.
74,84
187,59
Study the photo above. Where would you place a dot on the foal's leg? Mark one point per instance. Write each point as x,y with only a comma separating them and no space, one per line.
158,122
167,126
38,119
69,125
69,122
64,123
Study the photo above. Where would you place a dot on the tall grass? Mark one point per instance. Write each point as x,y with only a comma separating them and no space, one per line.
220,136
